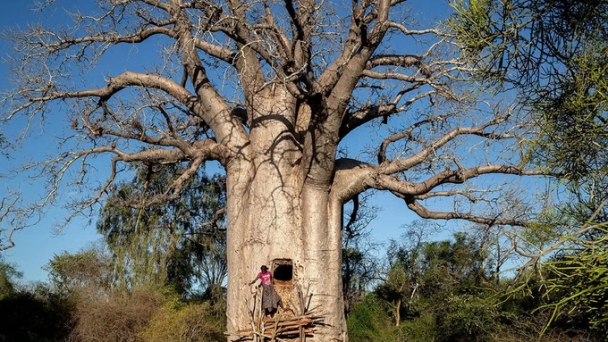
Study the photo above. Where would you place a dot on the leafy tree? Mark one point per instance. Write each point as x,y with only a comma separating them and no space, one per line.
468,318
554,54
89,268
575,279
447,266
396,289
577,288
32,317
442,280
404,276
178,242
270,90
8,276
456,278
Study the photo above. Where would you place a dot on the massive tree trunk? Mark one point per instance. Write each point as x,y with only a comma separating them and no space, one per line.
278,218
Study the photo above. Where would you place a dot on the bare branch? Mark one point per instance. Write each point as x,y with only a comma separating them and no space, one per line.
247,63
384,182
6,207
369,112
423,212
407,134
404,164
121,82
399,61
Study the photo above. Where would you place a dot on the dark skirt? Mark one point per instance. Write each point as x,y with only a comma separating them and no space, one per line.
270,297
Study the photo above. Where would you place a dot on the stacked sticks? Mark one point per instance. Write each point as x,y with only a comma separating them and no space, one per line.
287,326
281,326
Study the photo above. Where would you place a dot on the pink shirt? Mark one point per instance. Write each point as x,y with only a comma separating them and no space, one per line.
266,278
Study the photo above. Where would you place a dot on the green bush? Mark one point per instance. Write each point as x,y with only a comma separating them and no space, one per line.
468,318
369,321
184,323
419,329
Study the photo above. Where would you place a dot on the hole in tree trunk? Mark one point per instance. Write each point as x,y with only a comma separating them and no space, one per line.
282,270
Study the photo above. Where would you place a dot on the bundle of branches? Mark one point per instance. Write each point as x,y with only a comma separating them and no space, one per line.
283,326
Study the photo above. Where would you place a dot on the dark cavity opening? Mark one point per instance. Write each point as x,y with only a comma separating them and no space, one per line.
283,270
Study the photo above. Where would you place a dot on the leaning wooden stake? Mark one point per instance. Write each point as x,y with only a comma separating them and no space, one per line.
302,311
253,327
276,328
257,326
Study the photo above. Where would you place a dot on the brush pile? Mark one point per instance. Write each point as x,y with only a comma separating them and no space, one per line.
274,329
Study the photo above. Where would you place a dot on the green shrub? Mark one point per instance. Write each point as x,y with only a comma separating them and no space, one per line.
187,323
468,318
419,329
369,321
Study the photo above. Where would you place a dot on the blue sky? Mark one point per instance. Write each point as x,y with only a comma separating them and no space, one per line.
36,245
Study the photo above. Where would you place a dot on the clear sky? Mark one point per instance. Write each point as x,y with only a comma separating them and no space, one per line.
36,245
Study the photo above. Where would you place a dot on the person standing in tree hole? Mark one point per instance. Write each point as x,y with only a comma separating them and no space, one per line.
270,298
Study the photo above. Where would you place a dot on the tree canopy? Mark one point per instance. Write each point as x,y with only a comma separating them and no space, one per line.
179,243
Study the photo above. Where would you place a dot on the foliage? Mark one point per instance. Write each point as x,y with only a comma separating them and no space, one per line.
468,318
80,305
422,328
452,303
38,315
185,323
396,290
116,316
368,321
577,286
435,291
554,54
89,268
437,268
177,242
569,284
8,275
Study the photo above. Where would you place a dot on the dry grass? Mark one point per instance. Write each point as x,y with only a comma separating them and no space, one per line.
120,317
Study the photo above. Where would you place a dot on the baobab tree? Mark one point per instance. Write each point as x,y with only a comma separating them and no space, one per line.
270,90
